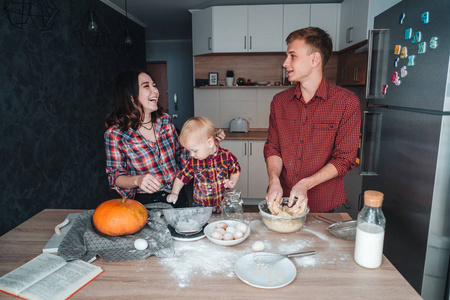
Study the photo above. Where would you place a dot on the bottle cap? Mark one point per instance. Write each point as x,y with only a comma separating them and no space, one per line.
373,198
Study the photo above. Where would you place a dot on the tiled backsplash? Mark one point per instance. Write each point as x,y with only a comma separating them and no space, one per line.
221,105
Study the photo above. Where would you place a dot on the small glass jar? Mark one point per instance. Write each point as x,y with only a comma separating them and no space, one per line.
232,206
370,231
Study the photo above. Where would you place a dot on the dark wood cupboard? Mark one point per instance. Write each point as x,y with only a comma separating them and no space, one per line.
352,65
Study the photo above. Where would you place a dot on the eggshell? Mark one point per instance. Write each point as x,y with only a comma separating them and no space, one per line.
140,244
242,228
238,234
222,225
258,246
216,235
231,229
227,236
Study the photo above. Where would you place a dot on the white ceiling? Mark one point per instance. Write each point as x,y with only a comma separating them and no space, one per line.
171,19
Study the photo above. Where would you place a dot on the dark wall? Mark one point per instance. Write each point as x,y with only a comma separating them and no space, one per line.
54,95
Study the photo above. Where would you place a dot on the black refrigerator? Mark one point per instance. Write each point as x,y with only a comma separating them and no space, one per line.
405,150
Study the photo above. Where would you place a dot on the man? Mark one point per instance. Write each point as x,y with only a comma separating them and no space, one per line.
313,129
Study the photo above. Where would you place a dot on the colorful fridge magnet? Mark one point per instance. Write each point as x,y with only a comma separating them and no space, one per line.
433,42
422,47
425,17
397,49
408,33
401,18
416,37
396,62
395,78
403,71
411,60
404,53
384,89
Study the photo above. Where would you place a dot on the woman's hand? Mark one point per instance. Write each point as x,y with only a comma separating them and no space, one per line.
220,135
148,183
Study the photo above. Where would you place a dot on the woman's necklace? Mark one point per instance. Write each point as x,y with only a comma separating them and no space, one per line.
148,128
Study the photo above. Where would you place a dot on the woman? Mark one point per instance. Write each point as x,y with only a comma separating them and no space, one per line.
143,153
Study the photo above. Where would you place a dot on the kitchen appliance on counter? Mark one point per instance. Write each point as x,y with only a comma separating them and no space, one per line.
405,150
239,125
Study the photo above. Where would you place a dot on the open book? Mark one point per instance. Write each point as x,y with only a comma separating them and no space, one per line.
48,276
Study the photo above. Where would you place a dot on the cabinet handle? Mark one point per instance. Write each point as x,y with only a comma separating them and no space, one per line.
250,42
348,36
245,149
251,149
342,76
356,74
245,42
209,43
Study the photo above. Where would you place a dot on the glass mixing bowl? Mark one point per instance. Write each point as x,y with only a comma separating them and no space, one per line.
187,220
281,224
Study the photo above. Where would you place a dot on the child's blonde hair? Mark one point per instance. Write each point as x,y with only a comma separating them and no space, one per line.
197,127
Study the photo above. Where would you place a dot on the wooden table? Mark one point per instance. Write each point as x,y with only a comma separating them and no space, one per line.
203,270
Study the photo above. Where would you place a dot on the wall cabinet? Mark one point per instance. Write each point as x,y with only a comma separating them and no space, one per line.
326,16
295,16
356,19
253,180
352,66
230,29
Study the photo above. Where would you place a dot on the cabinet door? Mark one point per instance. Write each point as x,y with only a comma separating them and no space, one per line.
359,21
345,26
240,150
295,16
229,29
325,16
265,28
202,31
257,171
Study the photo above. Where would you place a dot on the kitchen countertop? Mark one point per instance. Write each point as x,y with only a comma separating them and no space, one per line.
203,270
252,134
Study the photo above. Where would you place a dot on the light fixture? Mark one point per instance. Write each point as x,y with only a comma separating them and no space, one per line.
91,32
127,43
31,14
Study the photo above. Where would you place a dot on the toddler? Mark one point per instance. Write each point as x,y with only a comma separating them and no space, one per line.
213,168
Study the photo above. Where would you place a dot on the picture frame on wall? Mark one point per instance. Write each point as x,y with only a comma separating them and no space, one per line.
213,78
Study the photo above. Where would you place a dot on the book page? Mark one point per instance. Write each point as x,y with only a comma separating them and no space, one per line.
24,276
64,282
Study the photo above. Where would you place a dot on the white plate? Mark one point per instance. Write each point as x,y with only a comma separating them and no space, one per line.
209,229
265,276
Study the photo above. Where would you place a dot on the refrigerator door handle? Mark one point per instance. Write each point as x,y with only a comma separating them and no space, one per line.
370,143
377,62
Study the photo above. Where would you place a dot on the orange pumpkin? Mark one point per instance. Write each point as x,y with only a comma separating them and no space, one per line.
120,216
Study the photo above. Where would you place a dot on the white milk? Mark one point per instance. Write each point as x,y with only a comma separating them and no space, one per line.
369,245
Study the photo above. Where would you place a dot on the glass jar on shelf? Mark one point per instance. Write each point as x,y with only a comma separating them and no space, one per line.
232,206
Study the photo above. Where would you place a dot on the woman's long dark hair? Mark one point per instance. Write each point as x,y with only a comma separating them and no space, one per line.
124,112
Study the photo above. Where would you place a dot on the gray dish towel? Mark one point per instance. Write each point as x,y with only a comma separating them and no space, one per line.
84,242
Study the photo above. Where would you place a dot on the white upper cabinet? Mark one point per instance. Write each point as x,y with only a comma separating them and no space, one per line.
239,28
265,28
202,31
356,19
295,16
326,16
229,28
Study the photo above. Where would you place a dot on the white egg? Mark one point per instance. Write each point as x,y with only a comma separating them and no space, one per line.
221,230
242,228
231,229
258,246
227,236
222,225
140,244
238,234
216,235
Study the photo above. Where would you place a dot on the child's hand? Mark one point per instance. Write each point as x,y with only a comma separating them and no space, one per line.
220,135
172,198
229,184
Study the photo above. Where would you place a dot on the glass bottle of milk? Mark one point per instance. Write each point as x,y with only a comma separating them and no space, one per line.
370,231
